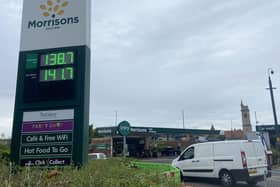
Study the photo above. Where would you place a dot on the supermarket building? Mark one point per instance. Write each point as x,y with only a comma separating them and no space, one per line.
148,141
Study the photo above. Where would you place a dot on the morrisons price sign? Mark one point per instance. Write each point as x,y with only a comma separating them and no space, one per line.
52,95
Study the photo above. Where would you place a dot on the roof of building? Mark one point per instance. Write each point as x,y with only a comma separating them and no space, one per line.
267,128
234,134
152,130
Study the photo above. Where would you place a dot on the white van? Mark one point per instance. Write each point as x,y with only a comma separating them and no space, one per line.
229,161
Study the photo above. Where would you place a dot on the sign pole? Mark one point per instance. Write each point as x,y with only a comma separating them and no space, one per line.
124,146
124,130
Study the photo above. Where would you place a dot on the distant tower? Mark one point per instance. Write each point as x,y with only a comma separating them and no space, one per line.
246,122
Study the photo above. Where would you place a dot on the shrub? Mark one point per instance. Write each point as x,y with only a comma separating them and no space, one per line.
275,157
108,173
4,155
4,152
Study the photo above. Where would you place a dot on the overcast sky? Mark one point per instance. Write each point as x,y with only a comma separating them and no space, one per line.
153,59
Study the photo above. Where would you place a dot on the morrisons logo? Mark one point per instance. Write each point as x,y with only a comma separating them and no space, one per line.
53,9
52,23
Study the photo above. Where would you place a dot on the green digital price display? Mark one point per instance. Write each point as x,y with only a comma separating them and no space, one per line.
54,59
59,74
54,63
47,70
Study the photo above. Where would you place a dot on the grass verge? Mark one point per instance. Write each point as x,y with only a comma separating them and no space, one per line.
99,173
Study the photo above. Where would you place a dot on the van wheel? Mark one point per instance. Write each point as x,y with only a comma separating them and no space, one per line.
226,179
252,183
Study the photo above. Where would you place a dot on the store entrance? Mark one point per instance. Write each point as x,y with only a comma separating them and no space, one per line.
136,146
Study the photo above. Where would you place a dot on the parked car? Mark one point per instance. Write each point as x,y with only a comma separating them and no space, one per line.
229,161
169,151
96,156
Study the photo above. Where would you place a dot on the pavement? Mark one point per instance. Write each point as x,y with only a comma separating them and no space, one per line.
274,181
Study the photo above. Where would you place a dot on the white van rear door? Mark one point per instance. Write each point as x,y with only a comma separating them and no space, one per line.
251,157
255,154
255,157
260,152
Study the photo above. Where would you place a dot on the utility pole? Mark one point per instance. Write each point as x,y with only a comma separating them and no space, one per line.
112,140
116,119
231,133
271,88
256,119
183,117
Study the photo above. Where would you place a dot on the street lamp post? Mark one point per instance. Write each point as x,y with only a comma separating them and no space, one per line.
271,72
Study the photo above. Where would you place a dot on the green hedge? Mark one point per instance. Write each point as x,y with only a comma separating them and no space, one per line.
98,173
4,155
4,152
171,173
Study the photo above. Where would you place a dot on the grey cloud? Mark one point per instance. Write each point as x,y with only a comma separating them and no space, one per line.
151,59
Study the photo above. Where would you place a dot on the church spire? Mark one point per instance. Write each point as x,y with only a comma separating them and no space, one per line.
246,122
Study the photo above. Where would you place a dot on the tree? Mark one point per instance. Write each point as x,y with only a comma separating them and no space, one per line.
2,136
92,133
212,127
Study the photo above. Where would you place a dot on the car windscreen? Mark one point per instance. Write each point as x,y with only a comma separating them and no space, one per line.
93,156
